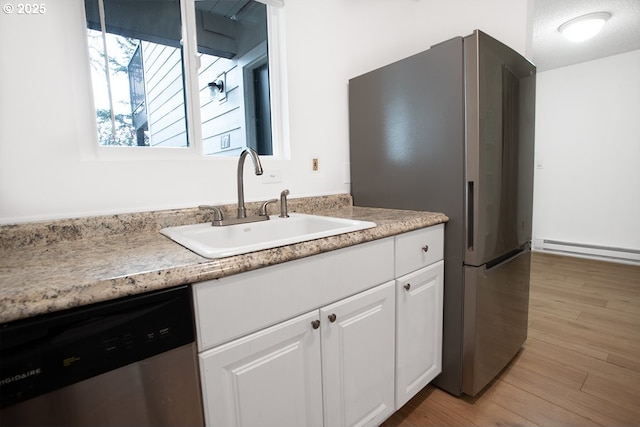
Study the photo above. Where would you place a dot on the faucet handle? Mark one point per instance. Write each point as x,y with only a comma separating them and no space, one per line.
263,208
283,204
217,213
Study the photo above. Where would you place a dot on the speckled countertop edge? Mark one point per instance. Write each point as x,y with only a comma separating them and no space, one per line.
47,267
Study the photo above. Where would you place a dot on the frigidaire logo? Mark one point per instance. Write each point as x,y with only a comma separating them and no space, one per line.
20,377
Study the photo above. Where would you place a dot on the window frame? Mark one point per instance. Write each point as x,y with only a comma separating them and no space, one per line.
195,150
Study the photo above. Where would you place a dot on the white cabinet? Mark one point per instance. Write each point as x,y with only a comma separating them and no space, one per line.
419,330
358,358
338,339
419,297
275,377
269,378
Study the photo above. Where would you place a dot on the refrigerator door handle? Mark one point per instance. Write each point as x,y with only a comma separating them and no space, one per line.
509,256
470,215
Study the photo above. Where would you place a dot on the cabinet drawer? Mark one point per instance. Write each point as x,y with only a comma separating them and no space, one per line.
233,306
418,249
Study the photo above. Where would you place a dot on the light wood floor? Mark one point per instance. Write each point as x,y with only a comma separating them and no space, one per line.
580,365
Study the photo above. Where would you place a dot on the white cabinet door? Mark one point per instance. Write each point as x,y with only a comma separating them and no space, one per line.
419,330
358,358
269,378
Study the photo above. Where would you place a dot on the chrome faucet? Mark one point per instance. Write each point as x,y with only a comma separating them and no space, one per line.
218,217
242,212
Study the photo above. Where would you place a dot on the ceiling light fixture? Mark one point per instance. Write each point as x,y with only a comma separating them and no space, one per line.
584,27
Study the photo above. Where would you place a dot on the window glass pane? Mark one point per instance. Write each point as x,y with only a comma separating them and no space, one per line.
233,76
137,72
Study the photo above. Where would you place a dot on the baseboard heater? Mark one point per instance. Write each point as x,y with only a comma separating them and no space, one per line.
606,253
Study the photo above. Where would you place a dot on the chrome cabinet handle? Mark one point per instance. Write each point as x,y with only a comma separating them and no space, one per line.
425,248
315,324
407,286
332,317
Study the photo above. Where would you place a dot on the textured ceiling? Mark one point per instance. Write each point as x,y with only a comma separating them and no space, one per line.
551,50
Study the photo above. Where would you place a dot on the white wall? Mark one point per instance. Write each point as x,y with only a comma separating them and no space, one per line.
587,184
49,167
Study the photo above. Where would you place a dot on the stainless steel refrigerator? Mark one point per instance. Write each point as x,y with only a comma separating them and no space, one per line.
451,129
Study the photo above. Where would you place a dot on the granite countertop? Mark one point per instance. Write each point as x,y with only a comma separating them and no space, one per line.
46,267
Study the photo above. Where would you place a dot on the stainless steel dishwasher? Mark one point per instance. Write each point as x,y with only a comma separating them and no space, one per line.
126,362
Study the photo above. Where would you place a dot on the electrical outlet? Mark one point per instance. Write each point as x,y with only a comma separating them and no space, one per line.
225,141
314,166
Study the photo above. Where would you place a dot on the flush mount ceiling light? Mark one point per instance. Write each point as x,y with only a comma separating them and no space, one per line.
584,27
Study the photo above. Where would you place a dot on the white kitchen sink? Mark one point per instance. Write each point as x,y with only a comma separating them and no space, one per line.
222,241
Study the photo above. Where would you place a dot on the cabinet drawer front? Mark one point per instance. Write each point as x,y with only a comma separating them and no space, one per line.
419,248
234,306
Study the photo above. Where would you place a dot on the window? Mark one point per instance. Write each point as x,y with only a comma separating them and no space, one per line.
233,76
140,77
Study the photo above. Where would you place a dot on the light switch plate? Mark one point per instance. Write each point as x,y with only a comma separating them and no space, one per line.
272,176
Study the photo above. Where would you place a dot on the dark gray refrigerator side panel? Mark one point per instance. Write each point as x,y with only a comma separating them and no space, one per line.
496,306
500,92
407,152
406,131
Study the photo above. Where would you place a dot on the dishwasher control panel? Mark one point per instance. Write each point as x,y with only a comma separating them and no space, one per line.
48,352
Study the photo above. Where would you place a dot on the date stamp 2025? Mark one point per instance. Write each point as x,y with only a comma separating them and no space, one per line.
24,8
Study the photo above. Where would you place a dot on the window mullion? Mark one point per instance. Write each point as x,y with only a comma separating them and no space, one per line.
103,28
191,66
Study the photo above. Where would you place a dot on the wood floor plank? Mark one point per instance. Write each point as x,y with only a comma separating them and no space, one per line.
598,336
625,361
625,294
401,418
425,411
564,294
618,324
486,413
624,306
614,391
541,332
532,407
568,395
547,369
575,359
544,307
